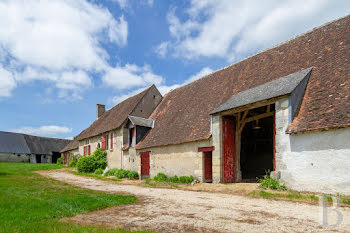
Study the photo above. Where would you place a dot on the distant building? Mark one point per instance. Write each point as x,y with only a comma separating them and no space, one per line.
15,147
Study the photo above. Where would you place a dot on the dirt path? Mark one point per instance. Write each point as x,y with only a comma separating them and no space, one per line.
171,210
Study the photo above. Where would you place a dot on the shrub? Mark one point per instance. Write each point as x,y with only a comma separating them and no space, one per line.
86,164
160,177
268,182
111,172
173,179
93,162
73,163
186,179
133,175
59,160
121,173
99,171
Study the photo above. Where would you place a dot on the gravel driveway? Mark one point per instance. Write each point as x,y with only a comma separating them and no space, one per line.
171,210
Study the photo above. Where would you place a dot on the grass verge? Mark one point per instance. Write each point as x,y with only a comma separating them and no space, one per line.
294,196
100,177
32,203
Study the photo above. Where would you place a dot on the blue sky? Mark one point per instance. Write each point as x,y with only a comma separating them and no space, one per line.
58,58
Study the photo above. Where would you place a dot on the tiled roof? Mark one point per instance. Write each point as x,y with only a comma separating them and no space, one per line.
113,118
184,113
71,146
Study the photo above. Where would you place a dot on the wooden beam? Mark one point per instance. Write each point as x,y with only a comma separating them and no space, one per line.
206,148
258,117
268,108
251,106
242,123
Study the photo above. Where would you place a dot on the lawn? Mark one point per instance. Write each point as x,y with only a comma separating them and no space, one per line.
32,203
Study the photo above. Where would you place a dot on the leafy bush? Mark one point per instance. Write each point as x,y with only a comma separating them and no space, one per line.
73,163
99,171
133,175
59,160
111,172
268,182
186,179
174,179
160,177
93,162
86,164
121,173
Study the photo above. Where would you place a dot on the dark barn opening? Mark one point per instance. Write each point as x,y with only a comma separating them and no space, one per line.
38,158
257,148
55,156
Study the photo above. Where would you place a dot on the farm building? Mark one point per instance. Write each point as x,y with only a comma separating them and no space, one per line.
285,109
70,150
15,147
119,129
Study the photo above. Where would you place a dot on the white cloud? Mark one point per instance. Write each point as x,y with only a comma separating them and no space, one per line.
129,76
163,89
203,72
59,41
230,29
7,82
46,130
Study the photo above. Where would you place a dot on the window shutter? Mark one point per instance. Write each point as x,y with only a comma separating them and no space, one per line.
84,150
111,140
103,142
89,148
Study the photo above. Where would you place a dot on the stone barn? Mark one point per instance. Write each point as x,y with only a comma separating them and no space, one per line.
285,110
15,147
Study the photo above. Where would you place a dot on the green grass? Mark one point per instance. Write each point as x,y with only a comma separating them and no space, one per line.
100,177
32,203
294,196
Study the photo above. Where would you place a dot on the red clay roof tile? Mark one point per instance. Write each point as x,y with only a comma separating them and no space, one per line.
184,113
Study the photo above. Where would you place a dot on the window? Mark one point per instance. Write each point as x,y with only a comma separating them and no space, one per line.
111,141
107,144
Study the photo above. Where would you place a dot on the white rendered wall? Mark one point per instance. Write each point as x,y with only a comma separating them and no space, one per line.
317,161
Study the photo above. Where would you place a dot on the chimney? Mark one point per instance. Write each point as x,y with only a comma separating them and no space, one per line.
101,108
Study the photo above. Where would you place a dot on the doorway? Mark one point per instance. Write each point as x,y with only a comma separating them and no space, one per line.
38,158
55,156
208,166
144,164
257,143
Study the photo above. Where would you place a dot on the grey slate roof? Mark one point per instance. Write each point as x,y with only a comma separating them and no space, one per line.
275,88
13,143
141,121
42,145
27,144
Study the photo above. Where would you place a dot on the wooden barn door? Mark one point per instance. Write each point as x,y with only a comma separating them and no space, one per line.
144,164
228,150
208,164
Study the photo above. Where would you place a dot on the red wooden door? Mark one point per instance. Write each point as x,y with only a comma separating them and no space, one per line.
228,150
208,164
144,164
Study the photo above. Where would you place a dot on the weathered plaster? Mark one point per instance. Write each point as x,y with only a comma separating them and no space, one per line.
14,158
181,160
316,161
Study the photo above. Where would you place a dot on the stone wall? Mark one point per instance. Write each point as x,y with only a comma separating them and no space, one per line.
114,156
317,161
181,160
14,158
